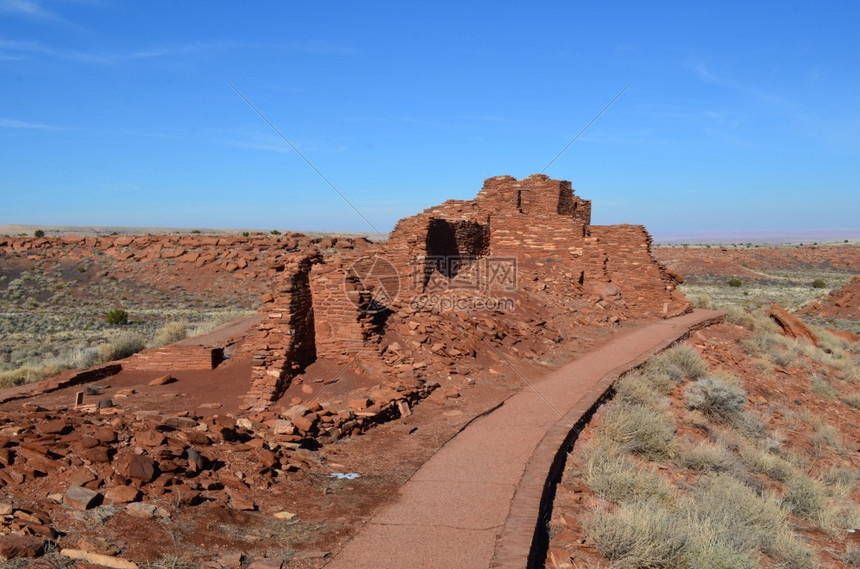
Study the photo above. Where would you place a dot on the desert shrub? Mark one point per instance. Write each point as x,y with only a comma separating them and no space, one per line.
169,333
738,316
735,512
121,346
851,556
716,397
735,283
677,362
821,386
762,366
275,232
804,497
707,457
639,535
639,429
819,283
84,357
761,461
634,387
621,479
702,300
116,316
38,233
852,399
709,550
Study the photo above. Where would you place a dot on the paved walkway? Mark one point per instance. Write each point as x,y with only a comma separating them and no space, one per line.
476,502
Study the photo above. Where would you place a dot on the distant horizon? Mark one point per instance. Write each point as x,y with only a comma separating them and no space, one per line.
774,237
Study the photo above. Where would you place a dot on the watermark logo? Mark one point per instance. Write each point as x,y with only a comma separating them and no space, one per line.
457,272
464,283
442,283
372,284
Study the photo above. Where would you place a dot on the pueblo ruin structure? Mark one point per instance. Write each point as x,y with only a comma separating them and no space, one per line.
525,245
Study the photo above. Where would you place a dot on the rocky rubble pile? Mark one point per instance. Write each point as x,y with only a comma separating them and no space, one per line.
55,462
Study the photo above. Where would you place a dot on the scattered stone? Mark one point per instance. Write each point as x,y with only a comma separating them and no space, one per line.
98,545
122,495
146,510
139,468
791,325
17,546
285,515
54,427
162,380
6,508
180,422
98,558
149,438
240,502
82,498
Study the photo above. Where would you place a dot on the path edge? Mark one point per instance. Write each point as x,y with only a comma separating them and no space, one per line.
524,536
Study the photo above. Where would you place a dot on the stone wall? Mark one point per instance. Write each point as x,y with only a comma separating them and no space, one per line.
175,357
285,339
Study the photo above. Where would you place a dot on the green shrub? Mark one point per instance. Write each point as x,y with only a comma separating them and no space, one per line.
275,232
116,316
819,283
735,283
716,397
38,233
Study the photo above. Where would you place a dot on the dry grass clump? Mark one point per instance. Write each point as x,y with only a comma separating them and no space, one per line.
621,479
852,399
760,460
169,333
640,535
740,317
677,362
821,386
707,457
121,345
638,429
720,523
718,398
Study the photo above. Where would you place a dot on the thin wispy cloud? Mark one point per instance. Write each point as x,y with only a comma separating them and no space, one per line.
18,50
12,123
27,9
725,80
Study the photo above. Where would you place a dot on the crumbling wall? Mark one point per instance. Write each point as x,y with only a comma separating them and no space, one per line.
285,338
644,283
345,307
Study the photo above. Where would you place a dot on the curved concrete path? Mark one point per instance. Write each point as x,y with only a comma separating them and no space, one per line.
476,502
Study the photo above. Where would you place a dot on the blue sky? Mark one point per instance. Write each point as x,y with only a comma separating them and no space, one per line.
742,116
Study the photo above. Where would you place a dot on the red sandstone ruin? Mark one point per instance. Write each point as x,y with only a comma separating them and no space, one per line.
348,305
